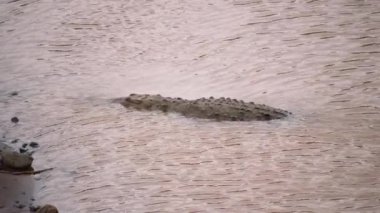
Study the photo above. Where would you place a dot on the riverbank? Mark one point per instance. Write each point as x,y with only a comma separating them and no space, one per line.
16,190
18,178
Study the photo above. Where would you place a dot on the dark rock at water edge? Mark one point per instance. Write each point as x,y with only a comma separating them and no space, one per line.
34,208
22,150
10,159
15,160
34,144
19,206
47,209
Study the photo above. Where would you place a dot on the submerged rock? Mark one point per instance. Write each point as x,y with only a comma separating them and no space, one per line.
15,120
210,108
13,93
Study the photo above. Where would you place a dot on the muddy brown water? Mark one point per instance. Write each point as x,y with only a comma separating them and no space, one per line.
318,59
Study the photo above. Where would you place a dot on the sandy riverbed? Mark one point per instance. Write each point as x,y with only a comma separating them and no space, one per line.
317,59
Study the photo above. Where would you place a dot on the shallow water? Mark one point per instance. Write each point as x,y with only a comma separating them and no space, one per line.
317,59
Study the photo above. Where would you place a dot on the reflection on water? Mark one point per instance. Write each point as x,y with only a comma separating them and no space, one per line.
317,59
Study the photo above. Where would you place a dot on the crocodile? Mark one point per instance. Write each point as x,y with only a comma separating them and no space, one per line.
220,109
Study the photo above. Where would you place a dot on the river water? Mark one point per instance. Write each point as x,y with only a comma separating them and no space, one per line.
319,59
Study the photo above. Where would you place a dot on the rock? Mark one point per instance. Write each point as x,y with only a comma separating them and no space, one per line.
19,205
24,145
221,109
14,141
15,160
15,120
13,93
34,144
47,209
34,208
23,150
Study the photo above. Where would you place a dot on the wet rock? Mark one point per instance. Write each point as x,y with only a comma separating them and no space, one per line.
34,144
19,205
15,160
22,150
13,93
15,120
210,108
47,209
34,208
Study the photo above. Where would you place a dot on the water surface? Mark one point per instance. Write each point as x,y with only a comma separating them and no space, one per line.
317,59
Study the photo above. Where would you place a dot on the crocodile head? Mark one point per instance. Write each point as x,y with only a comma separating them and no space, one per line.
133,100
142,101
